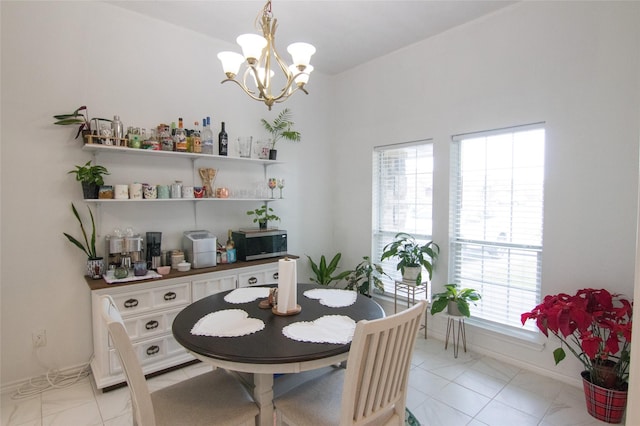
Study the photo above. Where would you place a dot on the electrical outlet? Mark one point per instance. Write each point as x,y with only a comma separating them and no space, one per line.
39,338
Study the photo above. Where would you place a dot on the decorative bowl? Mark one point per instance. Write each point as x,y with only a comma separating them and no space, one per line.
163,270
184,266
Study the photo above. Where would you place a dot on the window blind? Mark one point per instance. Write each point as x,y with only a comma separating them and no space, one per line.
496,221
402,198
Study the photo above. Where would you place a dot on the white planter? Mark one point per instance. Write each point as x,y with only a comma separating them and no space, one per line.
411,273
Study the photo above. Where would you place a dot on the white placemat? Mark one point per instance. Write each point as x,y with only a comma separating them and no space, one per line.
337,329
227,323
246,294
333,298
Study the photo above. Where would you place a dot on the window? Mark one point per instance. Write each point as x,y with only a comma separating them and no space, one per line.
402,197
496,220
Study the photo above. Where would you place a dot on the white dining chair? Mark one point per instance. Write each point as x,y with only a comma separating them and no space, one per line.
373,387
214,398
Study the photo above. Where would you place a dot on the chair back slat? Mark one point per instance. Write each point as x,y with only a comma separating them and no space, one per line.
142,405
378,366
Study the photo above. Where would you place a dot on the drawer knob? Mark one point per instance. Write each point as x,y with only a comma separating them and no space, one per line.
252,280
151,325
152,350
131,303
170,296
275,275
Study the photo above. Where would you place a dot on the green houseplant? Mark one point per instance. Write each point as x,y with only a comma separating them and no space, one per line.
95,264
455,299
262,215
365,274
412,256
324,271
595,326
79,117
280,128
90,177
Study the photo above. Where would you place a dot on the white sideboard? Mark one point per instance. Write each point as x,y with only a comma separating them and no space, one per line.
149,307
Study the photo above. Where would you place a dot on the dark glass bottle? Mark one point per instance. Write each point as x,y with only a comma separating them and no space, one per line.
223,140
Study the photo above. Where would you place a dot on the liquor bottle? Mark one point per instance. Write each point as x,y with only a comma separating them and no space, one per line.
223,141
207,136
196,140
180,137
173,134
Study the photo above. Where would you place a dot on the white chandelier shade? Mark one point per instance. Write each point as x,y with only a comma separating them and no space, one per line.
258,56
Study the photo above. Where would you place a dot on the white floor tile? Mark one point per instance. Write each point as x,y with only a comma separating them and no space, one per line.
19,411
436,413
497,414
56,400
484,384
529,402
462,399
85,415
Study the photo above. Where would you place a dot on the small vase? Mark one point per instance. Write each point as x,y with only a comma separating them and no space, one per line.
273,154
95,267
262,224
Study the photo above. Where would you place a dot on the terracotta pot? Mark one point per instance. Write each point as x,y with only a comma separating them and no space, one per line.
604,404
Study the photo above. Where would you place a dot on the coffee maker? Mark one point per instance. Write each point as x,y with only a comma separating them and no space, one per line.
154,251
123,250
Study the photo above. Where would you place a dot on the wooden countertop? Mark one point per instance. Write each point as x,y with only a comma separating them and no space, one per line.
102,284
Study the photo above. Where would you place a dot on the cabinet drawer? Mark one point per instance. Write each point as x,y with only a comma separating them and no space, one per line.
146,326
203,288
258,277
148,352
135,302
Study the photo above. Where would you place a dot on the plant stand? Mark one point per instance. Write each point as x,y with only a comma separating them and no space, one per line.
451,331
410,289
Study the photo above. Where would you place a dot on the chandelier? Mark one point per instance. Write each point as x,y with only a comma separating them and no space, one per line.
258,55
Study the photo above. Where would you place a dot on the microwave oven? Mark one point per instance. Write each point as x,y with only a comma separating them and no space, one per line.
255,244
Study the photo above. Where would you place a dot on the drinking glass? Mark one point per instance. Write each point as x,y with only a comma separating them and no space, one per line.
280,186
272,185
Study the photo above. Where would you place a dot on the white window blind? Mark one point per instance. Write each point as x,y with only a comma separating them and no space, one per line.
496,220
402,197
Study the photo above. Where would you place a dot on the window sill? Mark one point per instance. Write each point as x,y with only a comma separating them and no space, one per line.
531,340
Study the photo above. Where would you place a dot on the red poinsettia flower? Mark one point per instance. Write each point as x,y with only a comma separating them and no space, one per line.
593,324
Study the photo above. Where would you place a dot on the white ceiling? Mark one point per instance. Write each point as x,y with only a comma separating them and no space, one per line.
345,33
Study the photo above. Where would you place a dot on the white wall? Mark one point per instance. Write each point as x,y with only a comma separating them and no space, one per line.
57,56
573,65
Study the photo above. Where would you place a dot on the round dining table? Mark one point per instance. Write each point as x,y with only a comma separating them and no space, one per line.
268,351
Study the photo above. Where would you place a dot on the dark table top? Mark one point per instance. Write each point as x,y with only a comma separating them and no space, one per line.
268,346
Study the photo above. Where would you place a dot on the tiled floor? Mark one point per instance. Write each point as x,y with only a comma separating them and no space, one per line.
471,390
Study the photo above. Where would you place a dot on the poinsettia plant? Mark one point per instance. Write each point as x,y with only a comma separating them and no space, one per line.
595,326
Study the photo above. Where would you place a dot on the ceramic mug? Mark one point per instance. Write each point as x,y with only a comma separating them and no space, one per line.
121,192
222,193
150,192
187,192
140,268
163,191
135,191
198,192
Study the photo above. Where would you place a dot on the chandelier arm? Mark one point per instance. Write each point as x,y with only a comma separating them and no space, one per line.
244,88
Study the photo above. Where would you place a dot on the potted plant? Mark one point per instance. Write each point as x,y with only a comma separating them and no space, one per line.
262,215
323,271
78,117
280,128
91,178
595,326
455,299
412,256
95,263
364,275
